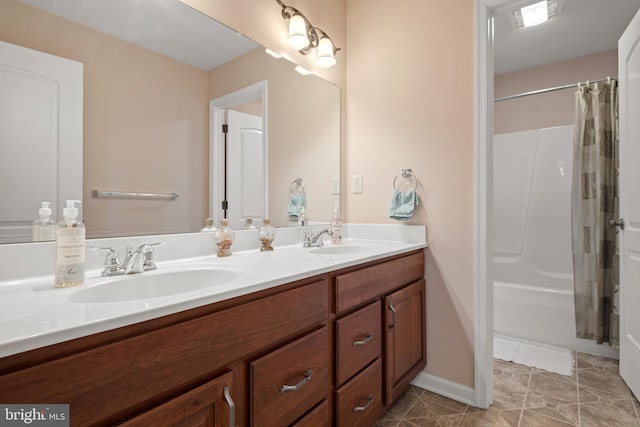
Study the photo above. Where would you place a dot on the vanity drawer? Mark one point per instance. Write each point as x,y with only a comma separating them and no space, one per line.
359,402
359,286
318,417
358,341
288,382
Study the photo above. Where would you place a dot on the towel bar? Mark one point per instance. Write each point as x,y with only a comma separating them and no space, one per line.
134,195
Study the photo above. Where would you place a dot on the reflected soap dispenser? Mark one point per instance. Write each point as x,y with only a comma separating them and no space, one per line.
43,229
70,248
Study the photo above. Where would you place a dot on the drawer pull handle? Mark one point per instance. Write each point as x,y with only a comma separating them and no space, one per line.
285,388
395,316
232,407
366,405
365,341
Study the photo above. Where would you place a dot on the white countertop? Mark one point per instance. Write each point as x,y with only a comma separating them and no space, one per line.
34,314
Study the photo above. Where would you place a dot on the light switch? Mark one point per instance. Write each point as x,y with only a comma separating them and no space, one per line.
335,185
357,184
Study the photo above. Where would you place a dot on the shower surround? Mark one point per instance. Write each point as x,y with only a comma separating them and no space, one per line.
532,268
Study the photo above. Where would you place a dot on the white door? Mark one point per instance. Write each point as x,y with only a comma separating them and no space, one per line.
40,136
245,168
629,74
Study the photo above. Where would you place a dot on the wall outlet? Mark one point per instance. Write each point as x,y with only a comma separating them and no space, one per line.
335,185
357,184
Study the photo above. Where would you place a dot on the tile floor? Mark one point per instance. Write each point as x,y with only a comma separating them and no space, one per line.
594,395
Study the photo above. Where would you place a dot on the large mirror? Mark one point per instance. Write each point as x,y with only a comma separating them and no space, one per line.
151,77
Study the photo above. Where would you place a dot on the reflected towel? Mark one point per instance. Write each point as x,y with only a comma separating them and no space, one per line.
402,205
296,202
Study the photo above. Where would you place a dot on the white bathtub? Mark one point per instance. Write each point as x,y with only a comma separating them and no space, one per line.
532,269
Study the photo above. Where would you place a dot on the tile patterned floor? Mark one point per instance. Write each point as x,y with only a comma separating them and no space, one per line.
593,396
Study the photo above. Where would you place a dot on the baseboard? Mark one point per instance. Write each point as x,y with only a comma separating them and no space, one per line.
455,391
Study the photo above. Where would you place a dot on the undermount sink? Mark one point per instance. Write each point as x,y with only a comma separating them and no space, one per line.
153,285
340,250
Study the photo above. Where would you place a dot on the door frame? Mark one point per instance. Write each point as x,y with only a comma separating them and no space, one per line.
217,117
483,206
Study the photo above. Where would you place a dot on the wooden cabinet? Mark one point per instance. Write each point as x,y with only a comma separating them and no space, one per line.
119,380
209,405
405,339
380,336
334,349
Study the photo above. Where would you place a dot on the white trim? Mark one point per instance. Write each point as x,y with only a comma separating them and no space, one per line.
445,388
217,114
483,289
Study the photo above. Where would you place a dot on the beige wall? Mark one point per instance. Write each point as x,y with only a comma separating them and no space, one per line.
303,132
549,109
145,124
410,100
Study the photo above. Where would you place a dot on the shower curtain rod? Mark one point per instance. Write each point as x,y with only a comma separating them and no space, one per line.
550,89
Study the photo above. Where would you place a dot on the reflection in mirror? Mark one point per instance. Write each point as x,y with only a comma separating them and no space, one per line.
146,118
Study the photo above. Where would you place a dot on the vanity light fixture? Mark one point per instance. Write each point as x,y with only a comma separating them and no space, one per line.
304,37
536,13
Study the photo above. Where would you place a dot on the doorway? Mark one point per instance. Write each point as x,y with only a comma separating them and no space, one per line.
238,156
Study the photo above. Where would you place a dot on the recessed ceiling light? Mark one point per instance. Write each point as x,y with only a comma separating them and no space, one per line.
536,13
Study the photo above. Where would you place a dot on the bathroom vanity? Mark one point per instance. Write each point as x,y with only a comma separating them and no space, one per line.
332,348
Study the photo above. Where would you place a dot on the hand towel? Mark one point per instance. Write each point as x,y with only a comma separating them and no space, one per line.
402,205
296,201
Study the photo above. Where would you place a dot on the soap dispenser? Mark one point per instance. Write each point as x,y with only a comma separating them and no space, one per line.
70,238
336,226
44,228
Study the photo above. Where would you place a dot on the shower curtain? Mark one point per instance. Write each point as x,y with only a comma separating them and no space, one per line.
594,203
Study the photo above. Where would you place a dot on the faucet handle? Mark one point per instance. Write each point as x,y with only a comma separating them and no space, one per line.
111,262
146,250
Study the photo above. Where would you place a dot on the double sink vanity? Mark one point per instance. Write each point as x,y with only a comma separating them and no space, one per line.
298,336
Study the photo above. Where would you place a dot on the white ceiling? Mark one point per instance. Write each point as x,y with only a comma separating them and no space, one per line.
168,27
584,27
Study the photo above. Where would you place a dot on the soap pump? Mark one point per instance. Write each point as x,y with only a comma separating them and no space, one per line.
43,228
70,250
336,226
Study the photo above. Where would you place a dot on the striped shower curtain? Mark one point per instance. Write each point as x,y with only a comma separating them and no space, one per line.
594,203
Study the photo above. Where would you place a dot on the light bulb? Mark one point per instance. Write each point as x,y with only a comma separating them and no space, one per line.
298,38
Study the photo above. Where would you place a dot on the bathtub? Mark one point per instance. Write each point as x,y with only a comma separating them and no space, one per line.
532,263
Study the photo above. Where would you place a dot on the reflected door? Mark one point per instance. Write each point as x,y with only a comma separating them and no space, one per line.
40,136
246,171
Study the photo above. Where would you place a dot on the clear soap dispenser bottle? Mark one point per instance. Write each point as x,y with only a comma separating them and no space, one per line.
70,238
44,228
336,226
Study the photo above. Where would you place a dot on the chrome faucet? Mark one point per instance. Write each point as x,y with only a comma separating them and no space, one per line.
313,239
134,262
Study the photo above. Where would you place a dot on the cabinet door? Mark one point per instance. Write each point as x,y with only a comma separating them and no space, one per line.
208,405
405,326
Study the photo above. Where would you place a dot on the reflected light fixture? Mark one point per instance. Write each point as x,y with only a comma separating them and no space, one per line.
536,13
304,37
